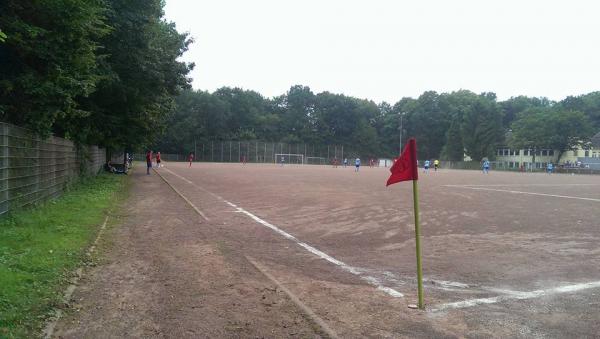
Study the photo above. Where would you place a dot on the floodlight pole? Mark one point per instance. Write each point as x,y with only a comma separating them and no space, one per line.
400,149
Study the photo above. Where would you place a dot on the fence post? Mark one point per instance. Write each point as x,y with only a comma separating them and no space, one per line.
5,165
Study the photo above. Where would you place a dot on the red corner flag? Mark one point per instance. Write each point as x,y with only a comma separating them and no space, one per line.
405,166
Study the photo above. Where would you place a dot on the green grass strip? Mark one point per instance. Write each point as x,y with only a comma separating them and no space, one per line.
41,247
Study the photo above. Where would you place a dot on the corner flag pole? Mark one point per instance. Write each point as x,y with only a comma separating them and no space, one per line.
405,169
418,245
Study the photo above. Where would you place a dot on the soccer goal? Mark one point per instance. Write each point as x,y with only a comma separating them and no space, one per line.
289,158
316,161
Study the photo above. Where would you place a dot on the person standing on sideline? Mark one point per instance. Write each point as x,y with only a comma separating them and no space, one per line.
436,165
426,166
282,160
148,162
486,167
550,168
357,164
191,158
345,162
335,162
158,159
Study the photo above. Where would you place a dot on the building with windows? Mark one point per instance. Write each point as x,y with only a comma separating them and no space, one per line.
588,157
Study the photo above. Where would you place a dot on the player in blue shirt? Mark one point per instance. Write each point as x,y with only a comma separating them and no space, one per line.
426,166
357,164
550,168
486,167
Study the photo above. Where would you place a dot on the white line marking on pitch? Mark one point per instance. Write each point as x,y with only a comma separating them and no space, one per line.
516,295
517,185
529,193
371,280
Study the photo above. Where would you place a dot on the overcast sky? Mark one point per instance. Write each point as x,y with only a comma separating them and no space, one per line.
386,50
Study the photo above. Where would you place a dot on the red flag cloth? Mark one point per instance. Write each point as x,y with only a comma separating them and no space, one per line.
405,166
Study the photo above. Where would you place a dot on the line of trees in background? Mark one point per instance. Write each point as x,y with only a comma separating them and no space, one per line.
101,72
447,125
105,72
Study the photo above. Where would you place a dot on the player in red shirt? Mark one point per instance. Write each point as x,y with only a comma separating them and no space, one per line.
191,158
158,159
148,162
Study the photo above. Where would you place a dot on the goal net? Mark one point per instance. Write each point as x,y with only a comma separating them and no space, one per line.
316,161
289,158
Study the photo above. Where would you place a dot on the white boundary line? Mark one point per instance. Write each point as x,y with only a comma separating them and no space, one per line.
49,329
303,307
516,295
518,185
508,294
371,280
528,193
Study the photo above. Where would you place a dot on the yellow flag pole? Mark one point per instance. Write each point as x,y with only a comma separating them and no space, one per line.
418,245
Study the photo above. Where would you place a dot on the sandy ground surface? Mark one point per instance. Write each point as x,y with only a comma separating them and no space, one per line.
504,255
162,276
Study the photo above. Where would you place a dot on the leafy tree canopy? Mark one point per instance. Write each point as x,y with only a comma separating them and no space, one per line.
551,128
96,71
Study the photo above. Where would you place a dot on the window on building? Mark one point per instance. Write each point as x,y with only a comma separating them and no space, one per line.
587,154
544,152
551,152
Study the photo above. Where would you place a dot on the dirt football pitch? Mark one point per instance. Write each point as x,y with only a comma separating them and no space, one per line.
504,255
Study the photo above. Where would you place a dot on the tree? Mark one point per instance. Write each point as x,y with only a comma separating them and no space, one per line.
589,104
142,75
482,127
428,122
50,60
454,149
550,128
515,105
298,120
387,127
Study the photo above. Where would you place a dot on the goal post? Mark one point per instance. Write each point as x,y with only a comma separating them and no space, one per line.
289,158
